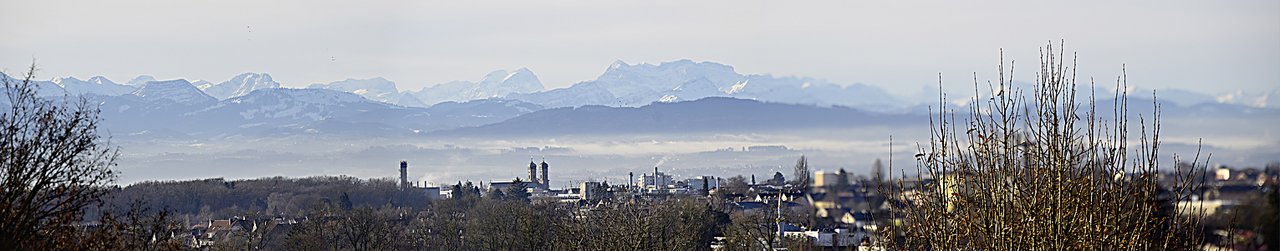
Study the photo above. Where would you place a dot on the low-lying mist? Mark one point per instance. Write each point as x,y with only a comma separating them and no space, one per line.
441,160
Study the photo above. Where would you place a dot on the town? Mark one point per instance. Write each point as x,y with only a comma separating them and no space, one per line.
813,209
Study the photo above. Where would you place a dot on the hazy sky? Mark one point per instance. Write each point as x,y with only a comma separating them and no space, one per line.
1210,46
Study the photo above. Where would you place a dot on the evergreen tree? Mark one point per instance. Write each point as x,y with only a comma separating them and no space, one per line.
346,201
496,194
518,191
778,179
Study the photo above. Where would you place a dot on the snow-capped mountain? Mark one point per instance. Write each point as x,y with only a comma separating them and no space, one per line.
284,111
377,89
178,91
96,85
43,88
311,110
239,85
275,108
636,85
496,84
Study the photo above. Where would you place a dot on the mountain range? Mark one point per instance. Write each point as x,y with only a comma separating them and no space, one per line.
642,98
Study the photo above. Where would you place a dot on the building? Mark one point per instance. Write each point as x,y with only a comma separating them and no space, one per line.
657,180
591,190
1223,173
825,179
533,173
539,183
544,183
839,237
503,185
433,193
703,183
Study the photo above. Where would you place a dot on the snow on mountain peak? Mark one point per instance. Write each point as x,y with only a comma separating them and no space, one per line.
736,88
618,64
240,85
520,73
59,81
495,76
96,85
641,84
100,80
495,84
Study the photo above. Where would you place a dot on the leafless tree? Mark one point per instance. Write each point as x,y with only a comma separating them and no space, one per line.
365,229
1049,173
754,230
53,164
802,178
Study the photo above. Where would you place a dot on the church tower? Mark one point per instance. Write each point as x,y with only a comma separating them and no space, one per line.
546,184
533,172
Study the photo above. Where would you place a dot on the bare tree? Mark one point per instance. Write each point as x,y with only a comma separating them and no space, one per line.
365,229
802,179
754,230
53,164
1050,173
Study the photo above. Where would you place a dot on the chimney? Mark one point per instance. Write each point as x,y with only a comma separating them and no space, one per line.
404,174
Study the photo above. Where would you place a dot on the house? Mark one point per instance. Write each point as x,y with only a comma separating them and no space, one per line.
839,237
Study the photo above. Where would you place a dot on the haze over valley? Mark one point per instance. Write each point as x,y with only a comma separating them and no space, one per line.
684,116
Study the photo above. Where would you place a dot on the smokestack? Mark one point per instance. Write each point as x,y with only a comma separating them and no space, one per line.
404,174
655,177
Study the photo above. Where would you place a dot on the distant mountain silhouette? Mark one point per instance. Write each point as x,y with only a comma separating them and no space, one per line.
716,114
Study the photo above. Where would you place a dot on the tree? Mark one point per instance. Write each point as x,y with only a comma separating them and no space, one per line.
137,228
365,229
752,230
455,191
346,201
736,185
495,194
802,179
321,231
517,191
53,165
1044,173
778,179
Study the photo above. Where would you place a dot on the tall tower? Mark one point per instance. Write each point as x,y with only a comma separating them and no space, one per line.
404,174
655,178
546,183
533,172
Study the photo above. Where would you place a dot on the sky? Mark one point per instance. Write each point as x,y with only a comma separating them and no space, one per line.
901,46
